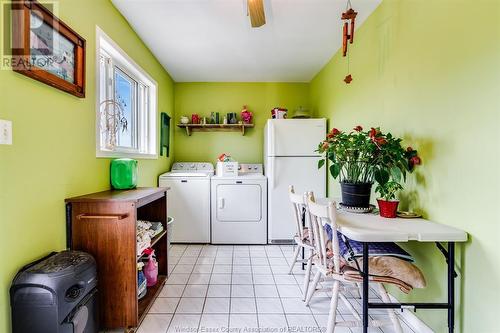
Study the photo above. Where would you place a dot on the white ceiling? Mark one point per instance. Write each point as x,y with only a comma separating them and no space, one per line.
212,41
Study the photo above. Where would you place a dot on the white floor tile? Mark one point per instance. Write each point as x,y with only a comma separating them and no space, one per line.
259,270
284,279
227,269
242,290
184,323
246,322
190,305
217,305
272,323
243,305
360,329
187,260
198,278
259,261
183,269
320,305
224,260
164,305
302,323
202,268
242,279
220,279
280,269
242,269
269,305
241,261
177,279
174,290
265,290
322,320
195,290
219,290
214,323
294,306
205,260
288,290
224,255
155,323
278,262
263,279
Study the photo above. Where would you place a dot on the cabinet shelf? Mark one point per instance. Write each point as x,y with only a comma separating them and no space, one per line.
215,128
153,242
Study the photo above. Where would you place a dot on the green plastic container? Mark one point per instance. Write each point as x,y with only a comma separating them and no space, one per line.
123,174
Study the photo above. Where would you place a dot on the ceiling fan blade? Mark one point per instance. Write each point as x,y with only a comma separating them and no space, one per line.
256,12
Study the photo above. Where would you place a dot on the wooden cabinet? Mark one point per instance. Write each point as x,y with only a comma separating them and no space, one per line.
104,224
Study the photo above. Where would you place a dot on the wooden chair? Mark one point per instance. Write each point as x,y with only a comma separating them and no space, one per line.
302,237
328,264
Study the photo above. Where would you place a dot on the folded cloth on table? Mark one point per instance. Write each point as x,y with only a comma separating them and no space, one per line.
375,248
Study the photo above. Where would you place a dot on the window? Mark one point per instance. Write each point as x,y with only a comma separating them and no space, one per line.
126,104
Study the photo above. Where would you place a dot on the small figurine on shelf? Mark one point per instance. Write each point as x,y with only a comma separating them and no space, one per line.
195,118
246,115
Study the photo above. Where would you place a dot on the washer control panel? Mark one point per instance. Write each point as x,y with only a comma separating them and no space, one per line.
195,167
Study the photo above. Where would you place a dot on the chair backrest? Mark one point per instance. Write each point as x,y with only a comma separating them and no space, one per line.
321,215
298,205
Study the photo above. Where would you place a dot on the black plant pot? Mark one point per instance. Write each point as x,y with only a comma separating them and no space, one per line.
356,194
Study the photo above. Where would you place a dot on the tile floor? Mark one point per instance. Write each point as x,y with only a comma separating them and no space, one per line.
241,289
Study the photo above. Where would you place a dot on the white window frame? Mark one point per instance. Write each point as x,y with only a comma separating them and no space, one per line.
147,123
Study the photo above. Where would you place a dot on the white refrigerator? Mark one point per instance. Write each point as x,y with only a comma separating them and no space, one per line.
290,159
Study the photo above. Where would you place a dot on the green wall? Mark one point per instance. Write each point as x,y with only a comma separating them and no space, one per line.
203,98
53,155
430,72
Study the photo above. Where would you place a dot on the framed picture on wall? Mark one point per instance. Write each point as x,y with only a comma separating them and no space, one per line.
46,49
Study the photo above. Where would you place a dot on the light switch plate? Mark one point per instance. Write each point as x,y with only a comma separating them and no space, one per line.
5,132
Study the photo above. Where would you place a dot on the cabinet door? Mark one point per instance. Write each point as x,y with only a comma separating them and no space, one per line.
108,232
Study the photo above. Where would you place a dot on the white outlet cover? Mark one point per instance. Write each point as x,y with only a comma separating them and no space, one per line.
5,132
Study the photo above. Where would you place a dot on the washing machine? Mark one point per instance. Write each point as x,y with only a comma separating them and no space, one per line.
188,200
239,207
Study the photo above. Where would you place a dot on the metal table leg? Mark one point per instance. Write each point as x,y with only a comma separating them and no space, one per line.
365,287
451,286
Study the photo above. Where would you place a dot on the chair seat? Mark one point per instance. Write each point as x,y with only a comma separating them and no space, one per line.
304,239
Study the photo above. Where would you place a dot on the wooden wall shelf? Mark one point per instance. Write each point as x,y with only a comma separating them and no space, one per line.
215,128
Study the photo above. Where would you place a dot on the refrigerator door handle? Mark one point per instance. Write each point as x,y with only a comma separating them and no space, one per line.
272,173
272,135
221,203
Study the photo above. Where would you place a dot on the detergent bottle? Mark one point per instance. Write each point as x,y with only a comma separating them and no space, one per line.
151,269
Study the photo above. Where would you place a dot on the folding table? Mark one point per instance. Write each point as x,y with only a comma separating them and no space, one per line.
369,228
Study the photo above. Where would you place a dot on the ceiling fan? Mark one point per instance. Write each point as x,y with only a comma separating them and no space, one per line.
256,13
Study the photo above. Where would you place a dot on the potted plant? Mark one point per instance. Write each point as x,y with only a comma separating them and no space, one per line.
359,158
391,176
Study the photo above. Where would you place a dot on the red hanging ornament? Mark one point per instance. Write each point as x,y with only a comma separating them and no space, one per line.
349,18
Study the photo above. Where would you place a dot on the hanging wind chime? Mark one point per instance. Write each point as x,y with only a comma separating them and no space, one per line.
348,17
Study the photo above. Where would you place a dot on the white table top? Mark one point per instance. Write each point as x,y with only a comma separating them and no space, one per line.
374,228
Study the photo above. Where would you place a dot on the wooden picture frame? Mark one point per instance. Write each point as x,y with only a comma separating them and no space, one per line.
46,49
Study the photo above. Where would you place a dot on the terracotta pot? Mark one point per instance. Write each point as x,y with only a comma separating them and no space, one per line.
388,208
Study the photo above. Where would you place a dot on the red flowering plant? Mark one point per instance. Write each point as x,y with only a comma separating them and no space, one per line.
362,156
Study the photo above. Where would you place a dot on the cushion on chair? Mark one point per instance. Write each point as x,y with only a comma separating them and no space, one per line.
395,268
305,238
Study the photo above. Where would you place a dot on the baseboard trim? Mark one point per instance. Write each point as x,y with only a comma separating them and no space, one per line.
415,323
